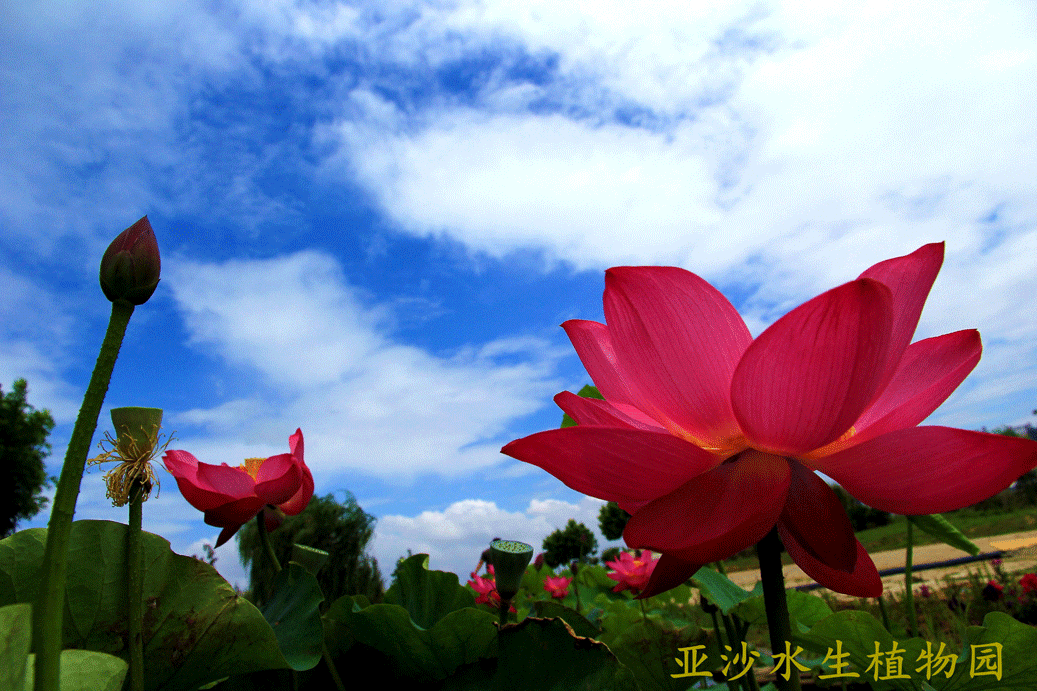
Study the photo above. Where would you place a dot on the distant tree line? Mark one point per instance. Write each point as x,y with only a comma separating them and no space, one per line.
23,448
342,529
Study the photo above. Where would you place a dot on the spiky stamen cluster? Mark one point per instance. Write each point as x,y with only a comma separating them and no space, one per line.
134,469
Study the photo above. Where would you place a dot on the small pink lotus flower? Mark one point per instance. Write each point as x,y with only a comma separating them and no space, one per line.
710,438
558,586
231,497
487,589
993,591
632,573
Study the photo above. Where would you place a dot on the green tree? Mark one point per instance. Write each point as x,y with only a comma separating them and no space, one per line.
612,520
23,446
575,541
861,516
1025,488
343,530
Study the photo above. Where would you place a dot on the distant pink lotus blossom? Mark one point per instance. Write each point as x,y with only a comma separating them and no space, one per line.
558,586
710,438
486,589
1029,583
632,573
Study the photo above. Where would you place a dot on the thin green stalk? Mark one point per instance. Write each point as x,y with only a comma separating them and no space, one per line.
50,601
768,550
735,641
135,582
331,666
733,632
909,594
753,684
736,684
265,542
716,627
884,613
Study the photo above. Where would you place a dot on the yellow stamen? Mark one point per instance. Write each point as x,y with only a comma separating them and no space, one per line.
251,466
134,469
837,445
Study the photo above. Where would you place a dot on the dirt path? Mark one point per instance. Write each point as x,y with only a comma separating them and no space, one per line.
1023,555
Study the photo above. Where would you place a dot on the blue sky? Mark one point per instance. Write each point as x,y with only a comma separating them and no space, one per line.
374,216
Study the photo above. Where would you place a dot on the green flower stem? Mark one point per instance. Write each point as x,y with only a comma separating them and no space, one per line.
736,646
135,580
884,613
265,542
909,595
768,550
733,636
331,666
50,602
734,684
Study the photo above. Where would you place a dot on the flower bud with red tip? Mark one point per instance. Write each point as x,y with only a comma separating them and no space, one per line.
131,265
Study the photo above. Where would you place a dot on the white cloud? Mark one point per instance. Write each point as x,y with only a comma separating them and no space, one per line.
367,402
37,331
784,143
783,148
456,536
594,194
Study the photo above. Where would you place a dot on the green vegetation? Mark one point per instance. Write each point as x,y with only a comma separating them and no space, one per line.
23,447
971,521
342,529
574,542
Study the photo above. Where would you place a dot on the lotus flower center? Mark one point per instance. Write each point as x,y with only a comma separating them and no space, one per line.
847,434
837,445
251,466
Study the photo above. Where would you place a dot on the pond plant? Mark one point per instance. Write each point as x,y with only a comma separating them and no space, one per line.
710,439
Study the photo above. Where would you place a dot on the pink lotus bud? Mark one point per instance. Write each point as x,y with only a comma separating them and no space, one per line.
131,265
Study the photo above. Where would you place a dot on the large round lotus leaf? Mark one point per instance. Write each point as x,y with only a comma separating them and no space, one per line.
428,596
462,637
294,614
15,639
545,655
196,627
84,670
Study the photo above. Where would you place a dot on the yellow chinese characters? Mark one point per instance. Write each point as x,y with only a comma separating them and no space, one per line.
985,660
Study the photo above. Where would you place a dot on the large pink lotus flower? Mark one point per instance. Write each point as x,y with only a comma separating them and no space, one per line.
710,438
557,586
232,496
632,573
